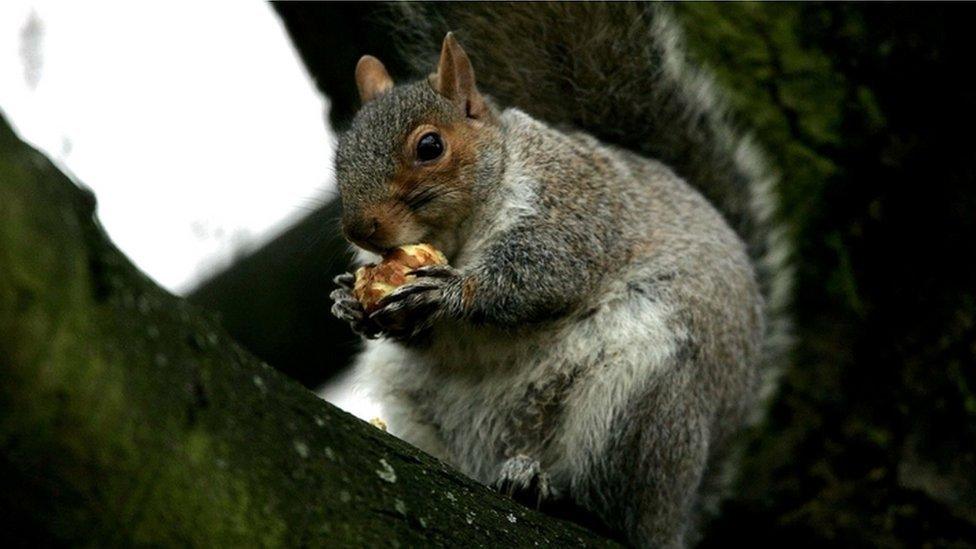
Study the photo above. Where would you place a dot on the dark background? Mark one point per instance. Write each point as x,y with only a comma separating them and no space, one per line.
868,113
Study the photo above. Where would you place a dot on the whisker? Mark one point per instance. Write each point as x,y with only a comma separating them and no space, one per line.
427,195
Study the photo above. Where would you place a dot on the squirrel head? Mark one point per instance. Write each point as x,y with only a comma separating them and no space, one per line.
417,157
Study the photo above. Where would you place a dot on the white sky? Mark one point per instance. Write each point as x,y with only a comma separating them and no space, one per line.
195,124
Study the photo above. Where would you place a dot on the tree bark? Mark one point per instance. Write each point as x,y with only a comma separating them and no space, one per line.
128,417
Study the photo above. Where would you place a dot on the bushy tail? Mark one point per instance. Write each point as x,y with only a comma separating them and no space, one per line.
618,71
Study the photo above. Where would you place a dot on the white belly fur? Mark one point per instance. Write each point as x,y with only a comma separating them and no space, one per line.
455,399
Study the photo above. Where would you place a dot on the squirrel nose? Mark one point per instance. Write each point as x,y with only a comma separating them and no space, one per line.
362,229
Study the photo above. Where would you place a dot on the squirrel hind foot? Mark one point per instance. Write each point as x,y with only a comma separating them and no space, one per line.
522,478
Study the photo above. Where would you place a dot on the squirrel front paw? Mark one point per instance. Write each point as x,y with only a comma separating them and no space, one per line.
523,479
413,308
346,307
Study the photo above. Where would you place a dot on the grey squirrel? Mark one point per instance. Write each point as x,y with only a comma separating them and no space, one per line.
614,309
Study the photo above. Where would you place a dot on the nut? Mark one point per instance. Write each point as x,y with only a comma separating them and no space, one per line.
374,282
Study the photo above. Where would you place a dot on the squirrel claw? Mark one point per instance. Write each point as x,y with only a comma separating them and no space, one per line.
409,310
523,479
434,271
347,308
405,291
412,309
345,280
343,310
342,295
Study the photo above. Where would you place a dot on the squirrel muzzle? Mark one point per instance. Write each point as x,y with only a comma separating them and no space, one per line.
361,230
381,227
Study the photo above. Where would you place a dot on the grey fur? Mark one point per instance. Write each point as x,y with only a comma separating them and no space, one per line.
618,335
619,72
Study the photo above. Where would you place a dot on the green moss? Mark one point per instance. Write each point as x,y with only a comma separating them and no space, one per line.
868,441
787,90
65,382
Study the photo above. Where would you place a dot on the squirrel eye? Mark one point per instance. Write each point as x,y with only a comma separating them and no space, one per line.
429,147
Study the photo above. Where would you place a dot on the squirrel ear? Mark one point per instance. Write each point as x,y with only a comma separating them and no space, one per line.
371,78
454,78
